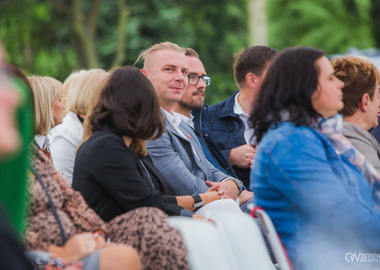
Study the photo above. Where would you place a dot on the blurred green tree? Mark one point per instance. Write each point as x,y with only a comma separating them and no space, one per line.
333,26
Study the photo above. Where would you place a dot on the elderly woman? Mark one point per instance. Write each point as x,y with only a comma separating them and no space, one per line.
319,201
361,104
67,136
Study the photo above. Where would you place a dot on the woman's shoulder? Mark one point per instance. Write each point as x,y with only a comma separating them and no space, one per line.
288,132
71,126
105,141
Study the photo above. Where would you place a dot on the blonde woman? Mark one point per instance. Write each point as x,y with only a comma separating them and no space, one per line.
47,93
69,84
66,137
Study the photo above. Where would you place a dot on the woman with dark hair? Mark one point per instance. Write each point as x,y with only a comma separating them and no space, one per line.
305,175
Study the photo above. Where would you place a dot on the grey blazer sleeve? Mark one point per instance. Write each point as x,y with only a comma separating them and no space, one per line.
166,155
217,175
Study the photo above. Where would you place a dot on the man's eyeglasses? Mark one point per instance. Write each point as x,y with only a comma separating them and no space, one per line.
194,79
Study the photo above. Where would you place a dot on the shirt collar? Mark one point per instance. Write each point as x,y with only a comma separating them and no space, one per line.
173,118
187,120
237,108
39,140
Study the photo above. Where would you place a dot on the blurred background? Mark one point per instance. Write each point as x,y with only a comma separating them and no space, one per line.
56,37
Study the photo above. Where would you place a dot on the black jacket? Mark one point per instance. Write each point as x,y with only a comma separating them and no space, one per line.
112,180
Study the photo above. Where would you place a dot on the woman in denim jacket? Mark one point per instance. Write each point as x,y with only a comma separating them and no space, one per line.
306,175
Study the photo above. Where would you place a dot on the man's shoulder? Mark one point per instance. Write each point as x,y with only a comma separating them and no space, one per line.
225,106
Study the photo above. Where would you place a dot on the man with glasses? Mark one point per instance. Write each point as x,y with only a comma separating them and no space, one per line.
193,111
177,154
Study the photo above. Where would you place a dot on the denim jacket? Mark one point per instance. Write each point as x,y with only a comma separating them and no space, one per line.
210,149
320,204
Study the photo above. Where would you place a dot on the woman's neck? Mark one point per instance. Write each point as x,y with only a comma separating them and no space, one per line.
127,140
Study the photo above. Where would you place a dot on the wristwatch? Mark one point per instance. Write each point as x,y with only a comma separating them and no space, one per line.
237,182
198,203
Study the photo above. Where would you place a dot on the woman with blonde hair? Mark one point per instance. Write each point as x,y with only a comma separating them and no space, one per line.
66,137
69,84
47,93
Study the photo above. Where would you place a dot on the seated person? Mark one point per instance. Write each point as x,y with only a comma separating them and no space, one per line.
320,202
228,120
361,104
194,113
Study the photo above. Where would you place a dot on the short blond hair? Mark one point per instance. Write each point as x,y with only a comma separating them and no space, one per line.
45,91
68,84
191,52
167,45
85,90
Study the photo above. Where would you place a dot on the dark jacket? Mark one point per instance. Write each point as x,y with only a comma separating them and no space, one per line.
227,130
209,147
112,180
12,251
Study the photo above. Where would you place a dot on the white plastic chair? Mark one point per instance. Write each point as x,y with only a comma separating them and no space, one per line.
233,241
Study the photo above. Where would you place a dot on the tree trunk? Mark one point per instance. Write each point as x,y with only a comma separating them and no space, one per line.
257,22
121,33
85,32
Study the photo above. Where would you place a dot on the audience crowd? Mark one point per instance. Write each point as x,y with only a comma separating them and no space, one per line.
91,169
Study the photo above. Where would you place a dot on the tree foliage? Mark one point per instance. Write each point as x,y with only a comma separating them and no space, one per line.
333,26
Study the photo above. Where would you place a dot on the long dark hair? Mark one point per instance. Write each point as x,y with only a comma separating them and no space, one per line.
129,106
289,84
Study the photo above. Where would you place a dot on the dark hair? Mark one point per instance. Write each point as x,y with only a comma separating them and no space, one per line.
129,106
289,84
252,59
360,76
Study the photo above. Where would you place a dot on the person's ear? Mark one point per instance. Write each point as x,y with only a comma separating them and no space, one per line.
145,72
250,79
363,103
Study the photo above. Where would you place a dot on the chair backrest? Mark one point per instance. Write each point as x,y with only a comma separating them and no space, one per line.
233,241
275,247
205,248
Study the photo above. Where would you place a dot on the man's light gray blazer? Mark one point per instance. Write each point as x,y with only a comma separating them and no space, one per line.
174,158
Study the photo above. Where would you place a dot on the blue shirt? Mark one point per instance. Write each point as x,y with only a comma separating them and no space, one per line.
320,204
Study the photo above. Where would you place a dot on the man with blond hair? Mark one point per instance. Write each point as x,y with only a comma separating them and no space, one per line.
177,154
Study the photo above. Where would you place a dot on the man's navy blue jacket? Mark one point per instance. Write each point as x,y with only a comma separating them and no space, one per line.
209,147
227,130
